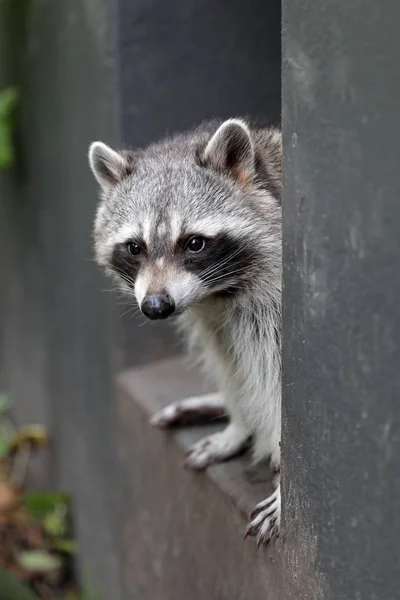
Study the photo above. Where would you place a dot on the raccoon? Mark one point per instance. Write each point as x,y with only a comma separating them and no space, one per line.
191,228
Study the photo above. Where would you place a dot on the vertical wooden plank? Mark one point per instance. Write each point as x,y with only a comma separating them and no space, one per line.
341,438
23,349
56,332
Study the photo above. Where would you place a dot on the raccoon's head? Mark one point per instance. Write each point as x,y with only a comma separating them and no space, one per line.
183,220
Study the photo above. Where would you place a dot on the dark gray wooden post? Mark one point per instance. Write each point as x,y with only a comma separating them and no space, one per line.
55,321
341,441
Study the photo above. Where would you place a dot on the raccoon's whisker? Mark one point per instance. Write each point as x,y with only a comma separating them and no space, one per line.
224,276
121,299
114,290
125,302
217,268
131,302
144,323
132,308
218,274
223,261
127,281
124,276
220,263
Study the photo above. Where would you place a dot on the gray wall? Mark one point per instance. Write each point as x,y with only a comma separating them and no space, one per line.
341,442
55,322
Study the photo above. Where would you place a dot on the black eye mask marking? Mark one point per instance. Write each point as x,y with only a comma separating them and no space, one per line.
222,260
125,264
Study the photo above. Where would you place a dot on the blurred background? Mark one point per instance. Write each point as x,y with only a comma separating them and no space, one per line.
71,72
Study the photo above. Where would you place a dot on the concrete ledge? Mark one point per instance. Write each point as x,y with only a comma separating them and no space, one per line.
182,531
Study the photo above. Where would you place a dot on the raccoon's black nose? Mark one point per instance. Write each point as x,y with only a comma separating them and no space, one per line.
158,306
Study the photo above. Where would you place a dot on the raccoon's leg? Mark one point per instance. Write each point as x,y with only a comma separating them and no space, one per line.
266,517
190,410
214,448
267,447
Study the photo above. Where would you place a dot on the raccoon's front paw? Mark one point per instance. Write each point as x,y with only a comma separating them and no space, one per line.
266,519
217,448
190,410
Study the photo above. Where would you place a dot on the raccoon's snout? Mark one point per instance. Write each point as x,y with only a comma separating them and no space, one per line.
157,306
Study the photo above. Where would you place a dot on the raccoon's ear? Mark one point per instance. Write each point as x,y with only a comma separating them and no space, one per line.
231,149
108,166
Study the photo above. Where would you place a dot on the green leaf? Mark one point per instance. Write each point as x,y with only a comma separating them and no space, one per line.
55,522
40,504
35,435
4,442
4,403
12,589
68,546
38,561
7,154
8,102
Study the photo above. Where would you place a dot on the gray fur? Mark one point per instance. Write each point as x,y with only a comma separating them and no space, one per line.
223,179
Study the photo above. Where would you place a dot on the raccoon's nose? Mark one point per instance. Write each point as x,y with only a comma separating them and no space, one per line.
158,306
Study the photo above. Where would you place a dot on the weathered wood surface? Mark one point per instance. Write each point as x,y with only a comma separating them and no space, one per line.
182,532
341,350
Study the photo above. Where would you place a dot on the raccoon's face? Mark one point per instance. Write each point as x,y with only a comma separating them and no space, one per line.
176,223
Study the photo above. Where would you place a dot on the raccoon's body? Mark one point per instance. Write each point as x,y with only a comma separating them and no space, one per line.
192,227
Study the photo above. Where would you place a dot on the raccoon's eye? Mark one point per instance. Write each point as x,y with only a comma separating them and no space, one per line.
196,244
133,248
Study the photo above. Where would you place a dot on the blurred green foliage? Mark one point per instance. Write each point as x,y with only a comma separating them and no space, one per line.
46,515
8,104
12,589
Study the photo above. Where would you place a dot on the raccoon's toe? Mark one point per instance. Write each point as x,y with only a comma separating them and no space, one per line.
266,519
217,448
167,417
202,455
190,410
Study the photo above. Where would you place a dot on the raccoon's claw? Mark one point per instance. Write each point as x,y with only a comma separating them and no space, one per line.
266,519
190,410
